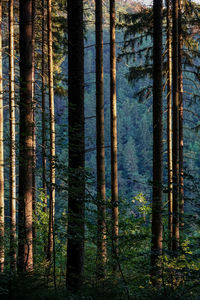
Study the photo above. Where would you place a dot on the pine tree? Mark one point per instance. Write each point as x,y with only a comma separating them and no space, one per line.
76,156
12,139
113,132
52,137
169,125
1,153
100,147
180,83
43,110
25,255
33,125
175,127
156,244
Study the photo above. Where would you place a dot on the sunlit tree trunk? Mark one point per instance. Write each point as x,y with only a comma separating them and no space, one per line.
76,156
169,125
175,88
43,110
12,140
52,137
156,243
25,255
100,147
181,172
113,133
1,154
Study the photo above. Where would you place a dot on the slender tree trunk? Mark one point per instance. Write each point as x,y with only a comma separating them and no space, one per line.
181,172
175,87
1,154
43,111
100,147
76,189
12,139
169,126
25,255
34,126
156,243
113,132
52,138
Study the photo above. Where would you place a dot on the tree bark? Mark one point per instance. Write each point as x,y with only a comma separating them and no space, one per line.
44,186
52,138
181,171
175,88
169,126
113,134
1,153
34,126
25,255
12,139
100,147
156,243
76,156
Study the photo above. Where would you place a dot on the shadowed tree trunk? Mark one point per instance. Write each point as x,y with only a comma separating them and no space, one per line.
52,138
100,147
181,173
156,243
34,126
25,255
113,133
175,88
12,140
1,154
76,165
169,125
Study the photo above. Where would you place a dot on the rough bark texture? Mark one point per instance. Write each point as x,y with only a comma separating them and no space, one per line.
12,140
113,134
181,171
25,255
100,147
52,138
156,243
76,189
1,154
44,186
169,125
175,88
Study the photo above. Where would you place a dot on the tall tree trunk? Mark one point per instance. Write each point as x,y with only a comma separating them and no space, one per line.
34,126
1,154
100,147
113,133
43,110
52,138
175,88
25,255
12,139
156,243
181,172
76,188
169,126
